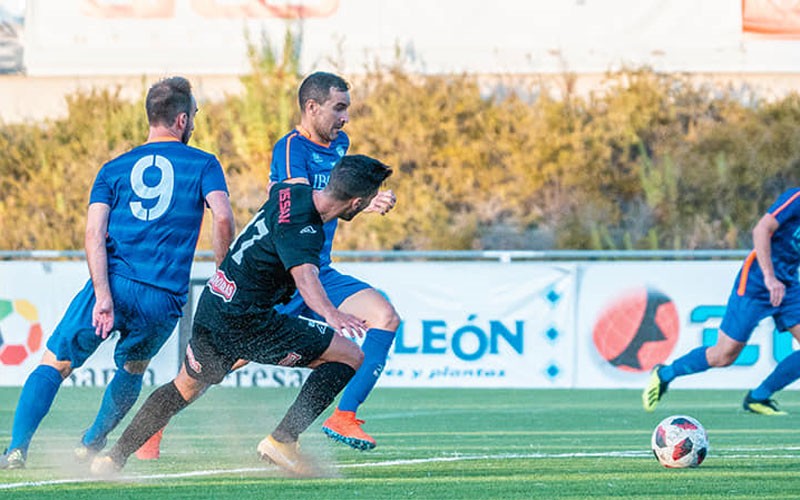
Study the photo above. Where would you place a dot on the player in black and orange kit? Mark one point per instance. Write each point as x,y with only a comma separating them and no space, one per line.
275,254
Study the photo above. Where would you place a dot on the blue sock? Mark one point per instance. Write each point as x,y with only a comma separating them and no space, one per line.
121,393
787,371
35,400
693,362
376,349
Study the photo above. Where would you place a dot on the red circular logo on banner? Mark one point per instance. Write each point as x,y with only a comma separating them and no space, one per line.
637,330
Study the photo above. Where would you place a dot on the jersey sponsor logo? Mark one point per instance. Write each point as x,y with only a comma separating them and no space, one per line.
193,363
320,181
316,158
290,359
284,205
221,286
308,230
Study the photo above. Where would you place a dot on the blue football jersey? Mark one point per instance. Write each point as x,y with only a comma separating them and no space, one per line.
785,244
157,197
295,155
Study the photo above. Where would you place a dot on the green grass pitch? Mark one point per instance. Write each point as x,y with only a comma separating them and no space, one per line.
432,443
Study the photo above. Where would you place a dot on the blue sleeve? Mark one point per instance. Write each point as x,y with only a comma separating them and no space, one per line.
213,177
102,191
278,151
786,206
289,160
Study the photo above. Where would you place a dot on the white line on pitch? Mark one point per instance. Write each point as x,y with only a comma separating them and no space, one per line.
386,463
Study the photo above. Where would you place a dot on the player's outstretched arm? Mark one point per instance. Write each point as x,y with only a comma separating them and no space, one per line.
223,226
306,277
97,260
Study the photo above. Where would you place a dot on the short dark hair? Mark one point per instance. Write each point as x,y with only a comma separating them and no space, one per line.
357,176
167,99
317,86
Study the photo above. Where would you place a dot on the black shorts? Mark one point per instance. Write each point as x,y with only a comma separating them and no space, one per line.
277,340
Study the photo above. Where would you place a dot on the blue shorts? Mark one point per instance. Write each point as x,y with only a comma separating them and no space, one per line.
145,317
338,286
744,312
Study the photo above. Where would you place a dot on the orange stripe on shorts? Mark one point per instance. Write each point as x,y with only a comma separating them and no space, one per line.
748,263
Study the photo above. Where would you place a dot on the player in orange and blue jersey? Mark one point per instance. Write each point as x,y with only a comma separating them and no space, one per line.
143,223
766,285
307,155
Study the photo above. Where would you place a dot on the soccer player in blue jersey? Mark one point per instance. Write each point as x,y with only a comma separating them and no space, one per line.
143,223
767,285
277,253
306,155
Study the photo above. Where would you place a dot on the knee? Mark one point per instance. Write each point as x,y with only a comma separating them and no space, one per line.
341,350
354,356
386,318
721,358
64,370
188,387
63,367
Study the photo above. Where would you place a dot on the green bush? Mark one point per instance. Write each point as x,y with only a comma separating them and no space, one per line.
653,161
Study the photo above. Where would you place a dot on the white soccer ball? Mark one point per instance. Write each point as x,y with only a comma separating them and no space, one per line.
680,441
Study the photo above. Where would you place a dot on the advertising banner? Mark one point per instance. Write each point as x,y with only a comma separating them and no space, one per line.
33,298
478,324
466,324
635,315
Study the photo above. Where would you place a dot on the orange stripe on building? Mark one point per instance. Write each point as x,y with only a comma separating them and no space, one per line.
748,263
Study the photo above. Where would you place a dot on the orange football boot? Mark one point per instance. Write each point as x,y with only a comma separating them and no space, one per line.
343,426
